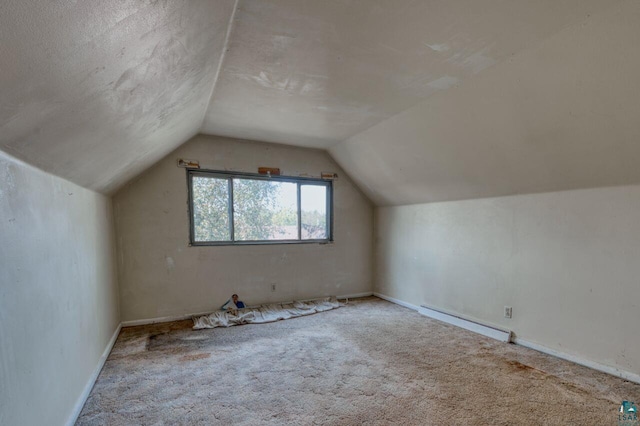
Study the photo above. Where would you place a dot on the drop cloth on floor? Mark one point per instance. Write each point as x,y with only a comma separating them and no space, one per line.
265,313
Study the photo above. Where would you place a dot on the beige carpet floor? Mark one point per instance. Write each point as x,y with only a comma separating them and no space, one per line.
370,362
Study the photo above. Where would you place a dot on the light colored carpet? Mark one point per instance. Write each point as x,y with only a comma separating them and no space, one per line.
370,362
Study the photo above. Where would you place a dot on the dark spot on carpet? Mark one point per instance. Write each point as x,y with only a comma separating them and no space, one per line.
370,362
194,357
520,366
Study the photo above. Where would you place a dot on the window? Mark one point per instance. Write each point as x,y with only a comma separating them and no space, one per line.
233,208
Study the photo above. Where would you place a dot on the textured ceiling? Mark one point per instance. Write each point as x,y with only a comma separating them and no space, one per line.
94,91
314,73
418,100
563,115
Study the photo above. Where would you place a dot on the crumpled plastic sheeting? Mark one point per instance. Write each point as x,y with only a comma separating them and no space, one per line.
265,313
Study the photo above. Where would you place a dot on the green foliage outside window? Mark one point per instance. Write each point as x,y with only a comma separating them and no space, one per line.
263,210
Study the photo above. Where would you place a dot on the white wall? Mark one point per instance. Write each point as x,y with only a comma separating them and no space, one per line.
567,262
160,275
58,292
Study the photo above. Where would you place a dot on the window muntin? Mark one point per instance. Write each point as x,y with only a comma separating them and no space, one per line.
238,208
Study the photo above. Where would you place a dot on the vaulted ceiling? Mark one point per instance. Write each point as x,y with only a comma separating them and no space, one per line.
314,73
418,100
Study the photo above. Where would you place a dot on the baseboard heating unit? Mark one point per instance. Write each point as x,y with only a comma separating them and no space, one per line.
485,330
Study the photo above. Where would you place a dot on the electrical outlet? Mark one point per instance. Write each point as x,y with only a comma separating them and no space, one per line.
273,286
508,311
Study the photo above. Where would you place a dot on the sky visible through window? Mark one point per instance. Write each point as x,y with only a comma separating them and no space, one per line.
314,197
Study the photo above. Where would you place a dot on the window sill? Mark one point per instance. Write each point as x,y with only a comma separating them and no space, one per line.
258,243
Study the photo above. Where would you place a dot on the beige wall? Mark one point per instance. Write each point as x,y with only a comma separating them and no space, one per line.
58,292
160,275
567,262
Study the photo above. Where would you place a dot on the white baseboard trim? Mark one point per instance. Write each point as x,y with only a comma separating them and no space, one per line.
356,295
626,375
82,399
396,301
476,327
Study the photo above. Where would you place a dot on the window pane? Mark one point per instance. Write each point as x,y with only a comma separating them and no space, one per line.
313,205
265,210
210,209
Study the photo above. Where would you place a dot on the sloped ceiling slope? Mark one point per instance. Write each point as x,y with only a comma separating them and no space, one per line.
563,115
314,73
418,100
95,91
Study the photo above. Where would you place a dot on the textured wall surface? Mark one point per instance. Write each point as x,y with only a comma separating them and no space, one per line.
567,262
58,292
160,275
